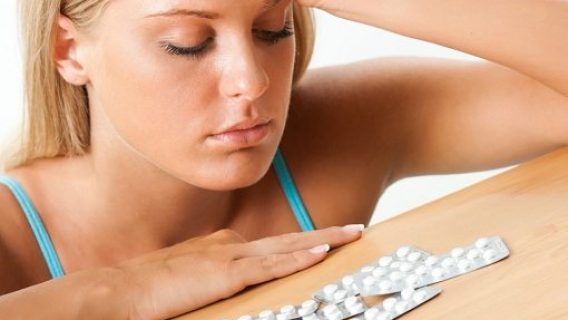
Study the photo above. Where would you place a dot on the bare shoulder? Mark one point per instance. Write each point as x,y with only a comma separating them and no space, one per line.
19,253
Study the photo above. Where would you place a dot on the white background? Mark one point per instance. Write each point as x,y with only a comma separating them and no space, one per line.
337,41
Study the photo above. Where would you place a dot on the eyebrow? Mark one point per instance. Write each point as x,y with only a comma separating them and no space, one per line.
267,5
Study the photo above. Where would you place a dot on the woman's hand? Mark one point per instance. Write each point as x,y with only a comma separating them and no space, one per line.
192,274
362,11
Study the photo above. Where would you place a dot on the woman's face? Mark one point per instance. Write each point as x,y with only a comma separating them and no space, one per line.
170,76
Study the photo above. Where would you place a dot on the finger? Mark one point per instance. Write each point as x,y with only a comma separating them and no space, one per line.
254,270
290,242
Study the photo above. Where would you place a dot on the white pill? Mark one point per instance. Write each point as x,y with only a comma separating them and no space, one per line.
245,317
330,289
349,302
489,254
356,308
385,261
330,308
310,305
448,263
482,243
396,276
380,272
305,311
438,273
281,316
473,254
421,270
371,313
412,280
288,309
431,260
457,252
385,285
402,251
414,256
464,264
369,281
405,267
267,314
388,304
367,269
312,316
395,265
407,293
419,296
339,295
348,281
401,306
384,316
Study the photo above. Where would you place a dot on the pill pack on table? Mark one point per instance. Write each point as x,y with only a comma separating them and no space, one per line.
404,275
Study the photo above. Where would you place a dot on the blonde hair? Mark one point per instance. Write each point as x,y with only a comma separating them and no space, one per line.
56,119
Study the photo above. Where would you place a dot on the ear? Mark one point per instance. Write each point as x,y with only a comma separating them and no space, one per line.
66,49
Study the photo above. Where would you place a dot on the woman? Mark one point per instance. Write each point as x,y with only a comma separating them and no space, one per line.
153,126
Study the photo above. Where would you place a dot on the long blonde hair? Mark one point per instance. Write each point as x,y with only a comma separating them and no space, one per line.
56,121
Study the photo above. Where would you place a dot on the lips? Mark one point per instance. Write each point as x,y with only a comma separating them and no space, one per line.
243,134
244,125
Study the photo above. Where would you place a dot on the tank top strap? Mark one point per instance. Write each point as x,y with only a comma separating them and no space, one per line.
38,229
291,192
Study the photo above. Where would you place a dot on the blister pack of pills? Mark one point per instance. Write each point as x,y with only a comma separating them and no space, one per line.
399,304
347,309
287,312
385,279
403,259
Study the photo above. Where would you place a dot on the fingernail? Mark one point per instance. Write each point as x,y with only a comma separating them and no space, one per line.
320,249
353,228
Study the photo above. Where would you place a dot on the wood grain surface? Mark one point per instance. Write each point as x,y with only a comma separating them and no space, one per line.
527,206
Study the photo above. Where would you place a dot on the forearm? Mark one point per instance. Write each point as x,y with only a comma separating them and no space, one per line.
83,295
526,35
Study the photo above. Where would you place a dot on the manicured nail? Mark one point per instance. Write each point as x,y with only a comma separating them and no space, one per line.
354,228
320,249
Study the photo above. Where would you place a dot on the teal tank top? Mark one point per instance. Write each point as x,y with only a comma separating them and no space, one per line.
48,250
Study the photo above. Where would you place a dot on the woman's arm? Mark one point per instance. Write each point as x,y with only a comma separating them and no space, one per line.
442,115
94,294
526,35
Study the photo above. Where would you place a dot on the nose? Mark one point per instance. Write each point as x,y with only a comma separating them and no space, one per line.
243,75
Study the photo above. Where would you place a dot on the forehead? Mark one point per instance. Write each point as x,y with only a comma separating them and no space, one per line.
211,9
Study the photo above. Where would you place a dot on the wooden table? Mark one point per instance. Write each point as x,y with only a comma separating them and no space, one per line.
527,206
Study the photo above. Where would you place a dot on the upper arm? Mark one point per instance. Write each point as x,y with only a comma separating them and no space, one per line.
465,116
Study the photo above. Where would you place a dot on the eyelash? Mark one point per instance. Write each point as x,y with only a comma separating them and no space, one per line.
271,37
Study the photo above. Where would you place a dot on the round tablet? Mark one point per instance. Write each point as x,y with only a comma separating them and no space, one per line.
330,289
349,302
457,252
339,295
407,293
245,317
396,276
388,304
330,309
414,256
385,285
489,254
431,260
448,263
367,269
395,265
464,264
402,251
380,272
385,261
402,306
310,305
348,281
384,316
473,254
412,280
405,267
369,281
421,270
482,243
371,313
288,309
267,314
438,273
